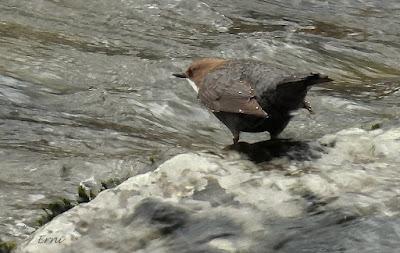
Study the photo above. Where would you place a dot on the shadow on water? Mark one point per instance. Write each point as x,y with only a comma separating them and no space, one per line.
265,151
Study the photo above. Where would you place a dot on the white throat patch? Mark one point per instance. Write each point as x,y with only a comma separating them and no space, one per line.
194,86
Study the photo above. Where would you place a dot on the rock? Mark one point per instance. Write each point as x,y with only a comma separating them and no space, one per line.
206,203
225,245
169,201
7,247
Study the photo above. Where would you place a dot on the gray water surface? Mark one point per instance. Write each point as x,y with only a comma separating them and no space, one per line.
86,86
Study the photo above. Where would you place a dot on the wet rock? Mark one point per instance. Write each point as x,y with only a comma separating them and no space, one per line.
169,208
209,203
164,216
265,151
7,247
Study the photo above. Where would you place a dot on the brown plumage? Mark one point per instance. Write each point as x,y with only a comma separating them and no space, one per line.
249,95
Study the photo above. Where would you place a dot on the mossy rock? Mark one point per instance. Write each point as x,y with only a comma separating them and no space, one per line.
376,126
83,196
53,209
61,205
111,183
7,247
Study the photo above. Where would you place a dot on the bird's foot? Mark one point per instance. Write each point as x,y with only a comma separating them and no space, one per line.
307,106
235,138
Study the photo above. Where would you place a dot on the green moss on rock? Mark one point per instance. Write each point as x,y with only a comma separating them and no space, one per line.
376,126
53,209
85,195
7,247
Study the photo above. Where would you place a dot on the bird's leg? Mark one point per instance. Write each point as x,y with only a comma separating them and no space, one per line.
273,136
306,105
235,137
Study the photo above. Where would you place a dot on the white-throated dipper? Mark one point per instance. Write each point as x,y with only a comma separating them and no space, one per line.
250,95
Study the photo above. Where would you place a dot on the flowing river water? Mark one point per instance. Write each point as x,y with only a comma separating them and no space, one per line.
86,87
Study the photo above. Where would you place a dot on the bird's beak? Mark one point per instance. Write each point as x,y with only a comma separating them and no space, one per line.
180,75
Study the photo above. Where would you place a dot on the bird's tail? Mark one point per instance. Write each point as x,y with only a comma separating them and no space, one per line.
299,83
316,78
290,93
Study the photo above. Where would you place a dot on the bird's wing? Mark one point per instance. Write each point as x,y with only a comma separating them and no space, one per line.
226,95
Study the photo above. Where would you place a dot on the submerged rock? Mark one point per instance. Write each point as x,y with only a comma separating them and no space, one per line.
206,203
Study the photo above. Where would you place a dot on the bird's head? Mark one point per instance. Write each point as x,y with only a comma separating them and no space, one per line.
200,68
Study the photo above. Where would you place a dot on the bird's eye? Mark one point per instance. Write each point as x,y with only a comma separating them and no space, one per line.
190,72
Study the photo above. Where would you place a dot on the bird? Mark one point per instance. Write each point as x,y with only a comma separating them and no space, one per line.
249,95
